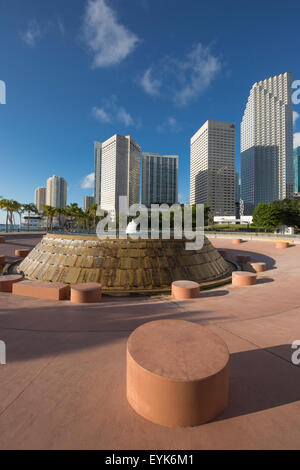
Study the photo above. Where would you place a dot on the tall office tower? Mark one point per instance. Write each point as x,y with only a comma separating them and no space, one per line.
117,172
212,178
97,185
267,142
88,201
56,192
40,198
159,178
297,170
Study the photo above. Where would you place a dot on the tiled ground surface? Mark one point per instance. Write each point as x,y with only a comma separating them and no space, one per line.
64,382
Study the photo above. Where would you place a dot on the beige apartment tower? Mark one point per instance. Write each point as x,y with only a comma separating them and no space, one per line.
40,198
212,177
117,172
56,192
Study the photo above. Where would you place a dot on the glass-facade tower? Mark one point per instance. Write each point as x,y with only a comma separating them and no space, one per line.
159,179
297,170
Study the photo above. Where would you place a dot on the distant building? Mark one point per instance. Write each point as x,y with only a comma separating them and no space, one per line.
117,172
40,198
98,161
88,201
56,192
297,170
159,178
212,177
267,142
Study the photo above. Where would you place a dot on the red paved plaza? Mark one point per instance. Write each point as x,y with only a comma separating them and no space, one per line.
63,386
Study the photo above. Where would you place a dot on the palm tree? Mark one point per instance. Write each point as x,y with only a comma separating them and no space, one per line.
3,207
11,206
20,210
4,203
49,212
92,211
73,211
29,208
60,211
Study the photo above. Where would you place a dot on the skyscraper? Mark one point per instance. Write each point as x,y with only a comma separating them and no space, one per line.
97,186
117,172
88,201
56,192
40,198
297,170
159,178
267,142
212,177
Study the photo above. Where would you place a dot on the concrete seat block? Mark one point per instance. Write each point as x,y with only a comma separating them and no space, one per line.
22,253
177,373
244,278
7,282
237,241
86,293
282,245
42,290
258,267
182,290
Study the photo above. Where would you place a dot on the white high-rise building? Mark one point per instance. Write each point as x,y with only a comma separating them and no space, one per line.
56,192
212,177
267,142
117,172
159,178
40,198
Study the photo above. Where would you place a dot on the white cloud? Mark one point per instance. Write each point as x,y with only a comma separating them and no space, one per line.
101,115
61,26
295,116
296,139
32,33
110,41
111,112
172,122
124,117
36,31
183,80
169,125
88,181
149,84
198,71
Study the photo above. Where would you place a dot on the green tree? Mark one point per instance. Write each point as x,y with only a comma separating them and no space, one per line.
49,212
267,216
29,208
10,206
92,212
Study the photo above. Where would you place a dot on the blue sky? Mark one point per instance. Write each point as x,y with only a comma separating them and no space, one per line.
78,71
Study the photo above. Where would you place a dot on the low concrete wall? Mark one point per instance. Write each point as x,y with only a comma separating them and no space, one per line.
265,237
16,235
